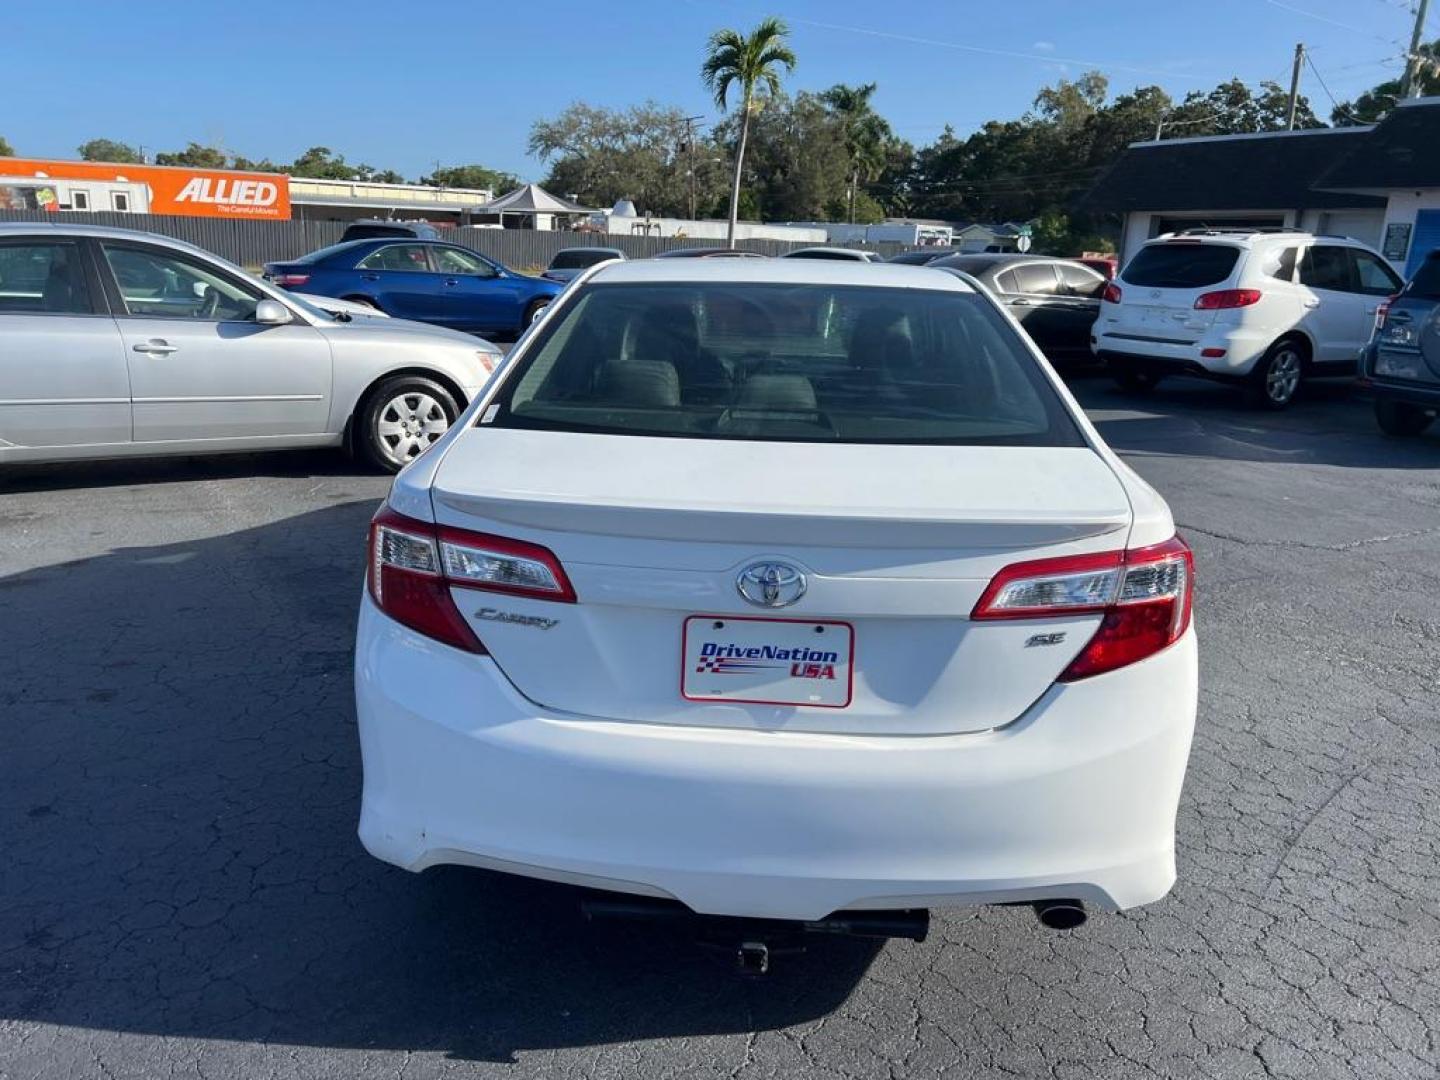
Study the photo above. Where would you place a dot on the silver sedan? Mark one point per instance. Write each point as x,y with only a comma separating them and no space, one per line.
115,343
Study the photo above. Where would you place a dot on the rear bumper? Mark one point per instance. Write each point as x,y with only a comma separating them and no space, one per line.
1242,349
1411,393
1075,799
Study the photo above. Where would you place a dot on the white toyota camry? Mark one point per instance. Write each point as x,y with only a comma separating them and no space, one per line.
779,588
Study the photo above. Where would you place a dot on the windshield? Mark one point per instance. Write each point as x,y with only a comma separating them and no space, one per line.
803,363
1181,266
325,252
1426,281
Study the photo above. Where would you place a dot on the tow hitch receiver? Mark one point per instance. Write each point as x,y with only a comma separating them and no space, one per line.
756,943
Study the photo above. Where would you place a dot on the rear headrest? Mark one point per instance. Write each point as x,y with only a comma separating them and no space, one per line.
779,393
646,384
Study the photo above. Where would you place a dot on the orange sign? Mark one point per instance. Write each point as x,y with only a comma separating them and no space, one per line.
171,189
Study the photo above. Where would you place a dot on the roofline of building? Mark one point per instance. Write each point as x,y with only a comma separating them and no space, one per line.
1358,129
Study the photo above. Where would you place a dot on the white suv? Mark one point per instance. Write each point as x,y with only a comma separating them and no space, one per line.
1264,308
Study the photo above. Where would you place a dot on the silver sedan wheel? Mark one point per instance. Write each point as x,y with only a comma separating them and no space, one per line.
408,424
1282,378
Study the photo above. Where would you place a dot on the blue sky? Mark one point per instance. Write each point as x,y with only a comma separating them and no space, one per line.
403,86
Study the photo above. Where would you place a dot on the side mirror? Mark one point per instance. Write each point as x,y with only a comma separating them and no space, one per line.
272,313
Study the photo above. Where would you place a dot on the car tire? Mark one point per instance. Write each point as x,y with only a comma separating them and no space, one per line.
1401,419
534,311
1133,378
1276,377
400,418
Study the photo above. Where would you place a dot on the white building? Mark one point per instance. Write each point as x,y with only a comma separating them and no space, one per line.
1379,184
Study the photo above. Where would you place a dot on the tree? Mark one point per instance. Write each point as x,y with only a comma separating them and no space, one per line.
110,150
796,164
866,134
643,153
754,63
1232,108
1380,99
6,150
196,156
472,176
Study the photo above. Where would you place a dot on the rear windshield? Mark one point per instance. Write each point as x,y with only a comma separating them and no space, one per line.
797,363
1181,266
325,252
579,258
1426,282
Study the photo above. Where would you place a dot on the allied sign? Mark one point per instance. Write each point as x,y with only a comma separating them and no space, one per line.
155,189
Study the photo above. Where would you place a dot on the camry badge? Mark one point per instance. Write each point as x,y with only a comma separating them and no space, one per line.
491,614
771,584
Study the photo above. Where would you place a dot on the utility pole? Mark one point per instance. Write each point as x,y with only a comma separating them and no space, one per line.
1409,84
690,157
1295,85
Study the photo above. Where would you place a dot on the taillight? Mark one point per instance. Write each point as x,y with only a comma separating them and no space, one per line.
1145,595
1227,298
1382,311
289,281
1112,294
414,564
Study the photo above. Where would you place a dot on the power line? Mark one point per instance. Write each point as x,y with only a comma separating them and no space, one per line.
1343,109
1333,22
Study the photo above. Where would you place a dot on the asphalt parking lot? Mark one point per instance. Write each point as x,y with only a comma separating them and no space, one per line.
182,893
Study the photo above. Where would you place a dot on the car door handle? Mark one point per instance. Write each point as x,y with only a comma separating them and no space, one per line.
1020,303
452,281
1312,303
155,347
369,277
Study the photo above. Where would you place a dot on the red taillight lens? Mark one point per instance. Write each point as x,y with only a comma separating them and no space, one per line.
1144,593
1227,298
1382,312
1112,294
414,564
289,281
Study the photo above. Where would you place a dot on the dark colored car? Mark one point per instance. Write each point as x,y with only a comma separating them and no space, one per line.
1055,300
568,263
1401,365
423,280
375,229
708,253
923,256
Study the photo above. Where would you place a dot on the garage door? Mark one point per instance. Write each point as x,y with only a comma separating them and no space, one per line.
1425,239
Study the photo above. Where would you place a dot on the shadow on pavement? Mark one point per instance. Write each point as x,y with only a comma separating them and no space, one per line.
179,787
1330,425
121,472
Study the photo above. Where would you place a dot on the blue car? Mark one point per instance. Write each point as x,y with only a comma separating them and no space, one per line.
426,280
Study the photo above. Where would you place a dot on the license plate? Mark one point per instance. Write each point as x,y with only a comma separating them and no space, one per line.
767,661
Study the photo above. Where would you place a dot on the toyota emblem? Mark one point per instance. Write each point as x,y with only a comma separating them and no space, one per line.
771,584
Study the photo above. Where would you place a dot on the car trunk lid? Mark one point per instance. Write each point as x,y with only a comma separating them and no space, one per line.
896,544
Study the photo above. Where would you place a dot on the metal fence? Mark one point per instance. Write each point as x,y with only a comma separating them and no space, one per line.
252,243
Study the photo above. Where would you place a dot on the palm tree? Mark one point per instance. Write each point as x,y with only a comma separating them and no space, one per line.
752,61
865,132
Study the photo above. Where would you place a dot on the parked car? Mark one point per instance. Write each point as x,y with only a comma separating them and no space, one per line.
568,263
377,229
834,254
423,280
943,656
1107,266
1266,310
1055,300
709,253
115,343
924,256
1401,368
